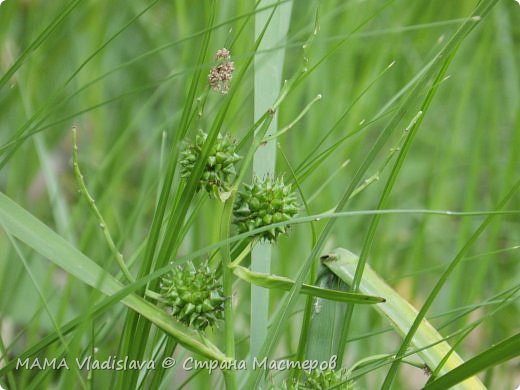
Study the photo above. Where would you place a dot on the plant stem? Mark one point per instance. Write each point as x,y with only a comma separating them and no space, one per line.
227,281
92,203
230,379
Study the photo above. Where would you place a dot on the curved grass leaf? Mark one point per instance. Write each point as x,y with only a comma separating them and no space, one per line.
399,312
285,284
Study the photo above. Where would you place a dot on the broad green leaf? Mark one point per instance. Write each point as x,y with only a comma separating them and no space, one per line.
399,312
325,325
271,28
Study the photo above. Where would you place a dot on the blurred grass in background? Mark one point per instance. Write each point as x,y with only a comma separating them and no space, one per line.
133,87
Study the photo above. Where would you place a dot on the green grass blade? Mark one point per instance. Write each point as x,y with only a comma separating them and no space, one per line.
502,352
325,325
62,15
369,238
282,283
442,280
45,303
135,325
443,59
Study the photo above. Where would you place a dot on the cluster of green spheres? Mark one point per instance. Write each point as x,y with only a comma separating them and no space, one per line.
262,203
219,170
194,295
327,379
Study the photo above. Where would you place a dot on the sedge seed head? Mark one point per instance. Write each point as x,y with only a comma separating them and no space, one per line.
263,203
219,170
194,295
318,379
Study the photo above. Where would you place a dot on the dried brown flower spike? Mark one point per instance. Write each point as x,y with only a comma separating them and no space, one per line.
223,54
219,77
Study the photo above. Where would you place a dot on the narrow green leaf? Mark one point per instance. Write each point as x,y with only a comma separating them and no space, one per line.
47,31
271,28
285,284
502,352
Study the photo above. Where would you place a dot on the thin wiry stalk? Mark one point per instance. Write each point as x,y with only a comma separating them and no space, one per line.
92,203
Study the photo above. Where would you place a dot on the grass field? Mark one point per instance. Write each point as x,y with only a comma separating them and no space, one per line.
388,128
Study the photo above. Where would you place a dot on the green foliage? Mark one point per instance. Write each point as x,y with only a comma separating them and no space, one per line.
270,281
505,350
428,343
404,161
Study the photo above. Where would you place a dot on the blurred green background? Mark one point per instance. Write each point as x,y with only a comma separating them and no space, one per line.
120,70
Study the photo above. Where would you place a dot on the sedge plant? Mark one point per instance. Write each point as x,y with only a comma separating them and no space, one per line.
256,195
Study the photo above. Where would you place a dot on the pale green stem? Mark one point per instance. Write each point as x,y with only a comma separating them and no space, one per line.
155,296
267,83
227,281
230,380
294,122
243,254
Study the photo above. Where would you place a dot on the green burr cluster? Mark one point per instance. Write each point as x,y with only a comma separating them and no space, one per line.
219,170
195,295
263,203
328,379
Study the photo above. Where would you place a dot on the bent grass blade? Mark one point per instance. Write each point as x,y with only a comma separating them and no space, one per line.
400,313
283,283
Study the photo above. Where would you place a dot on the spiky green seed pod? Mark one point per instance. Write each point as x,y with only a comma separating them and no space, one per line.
219,171
194,295
263,203
318,379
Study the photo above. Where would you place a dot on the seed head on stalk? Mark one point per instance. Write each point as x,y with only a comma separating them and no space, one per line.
263,203
219,170
194,295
